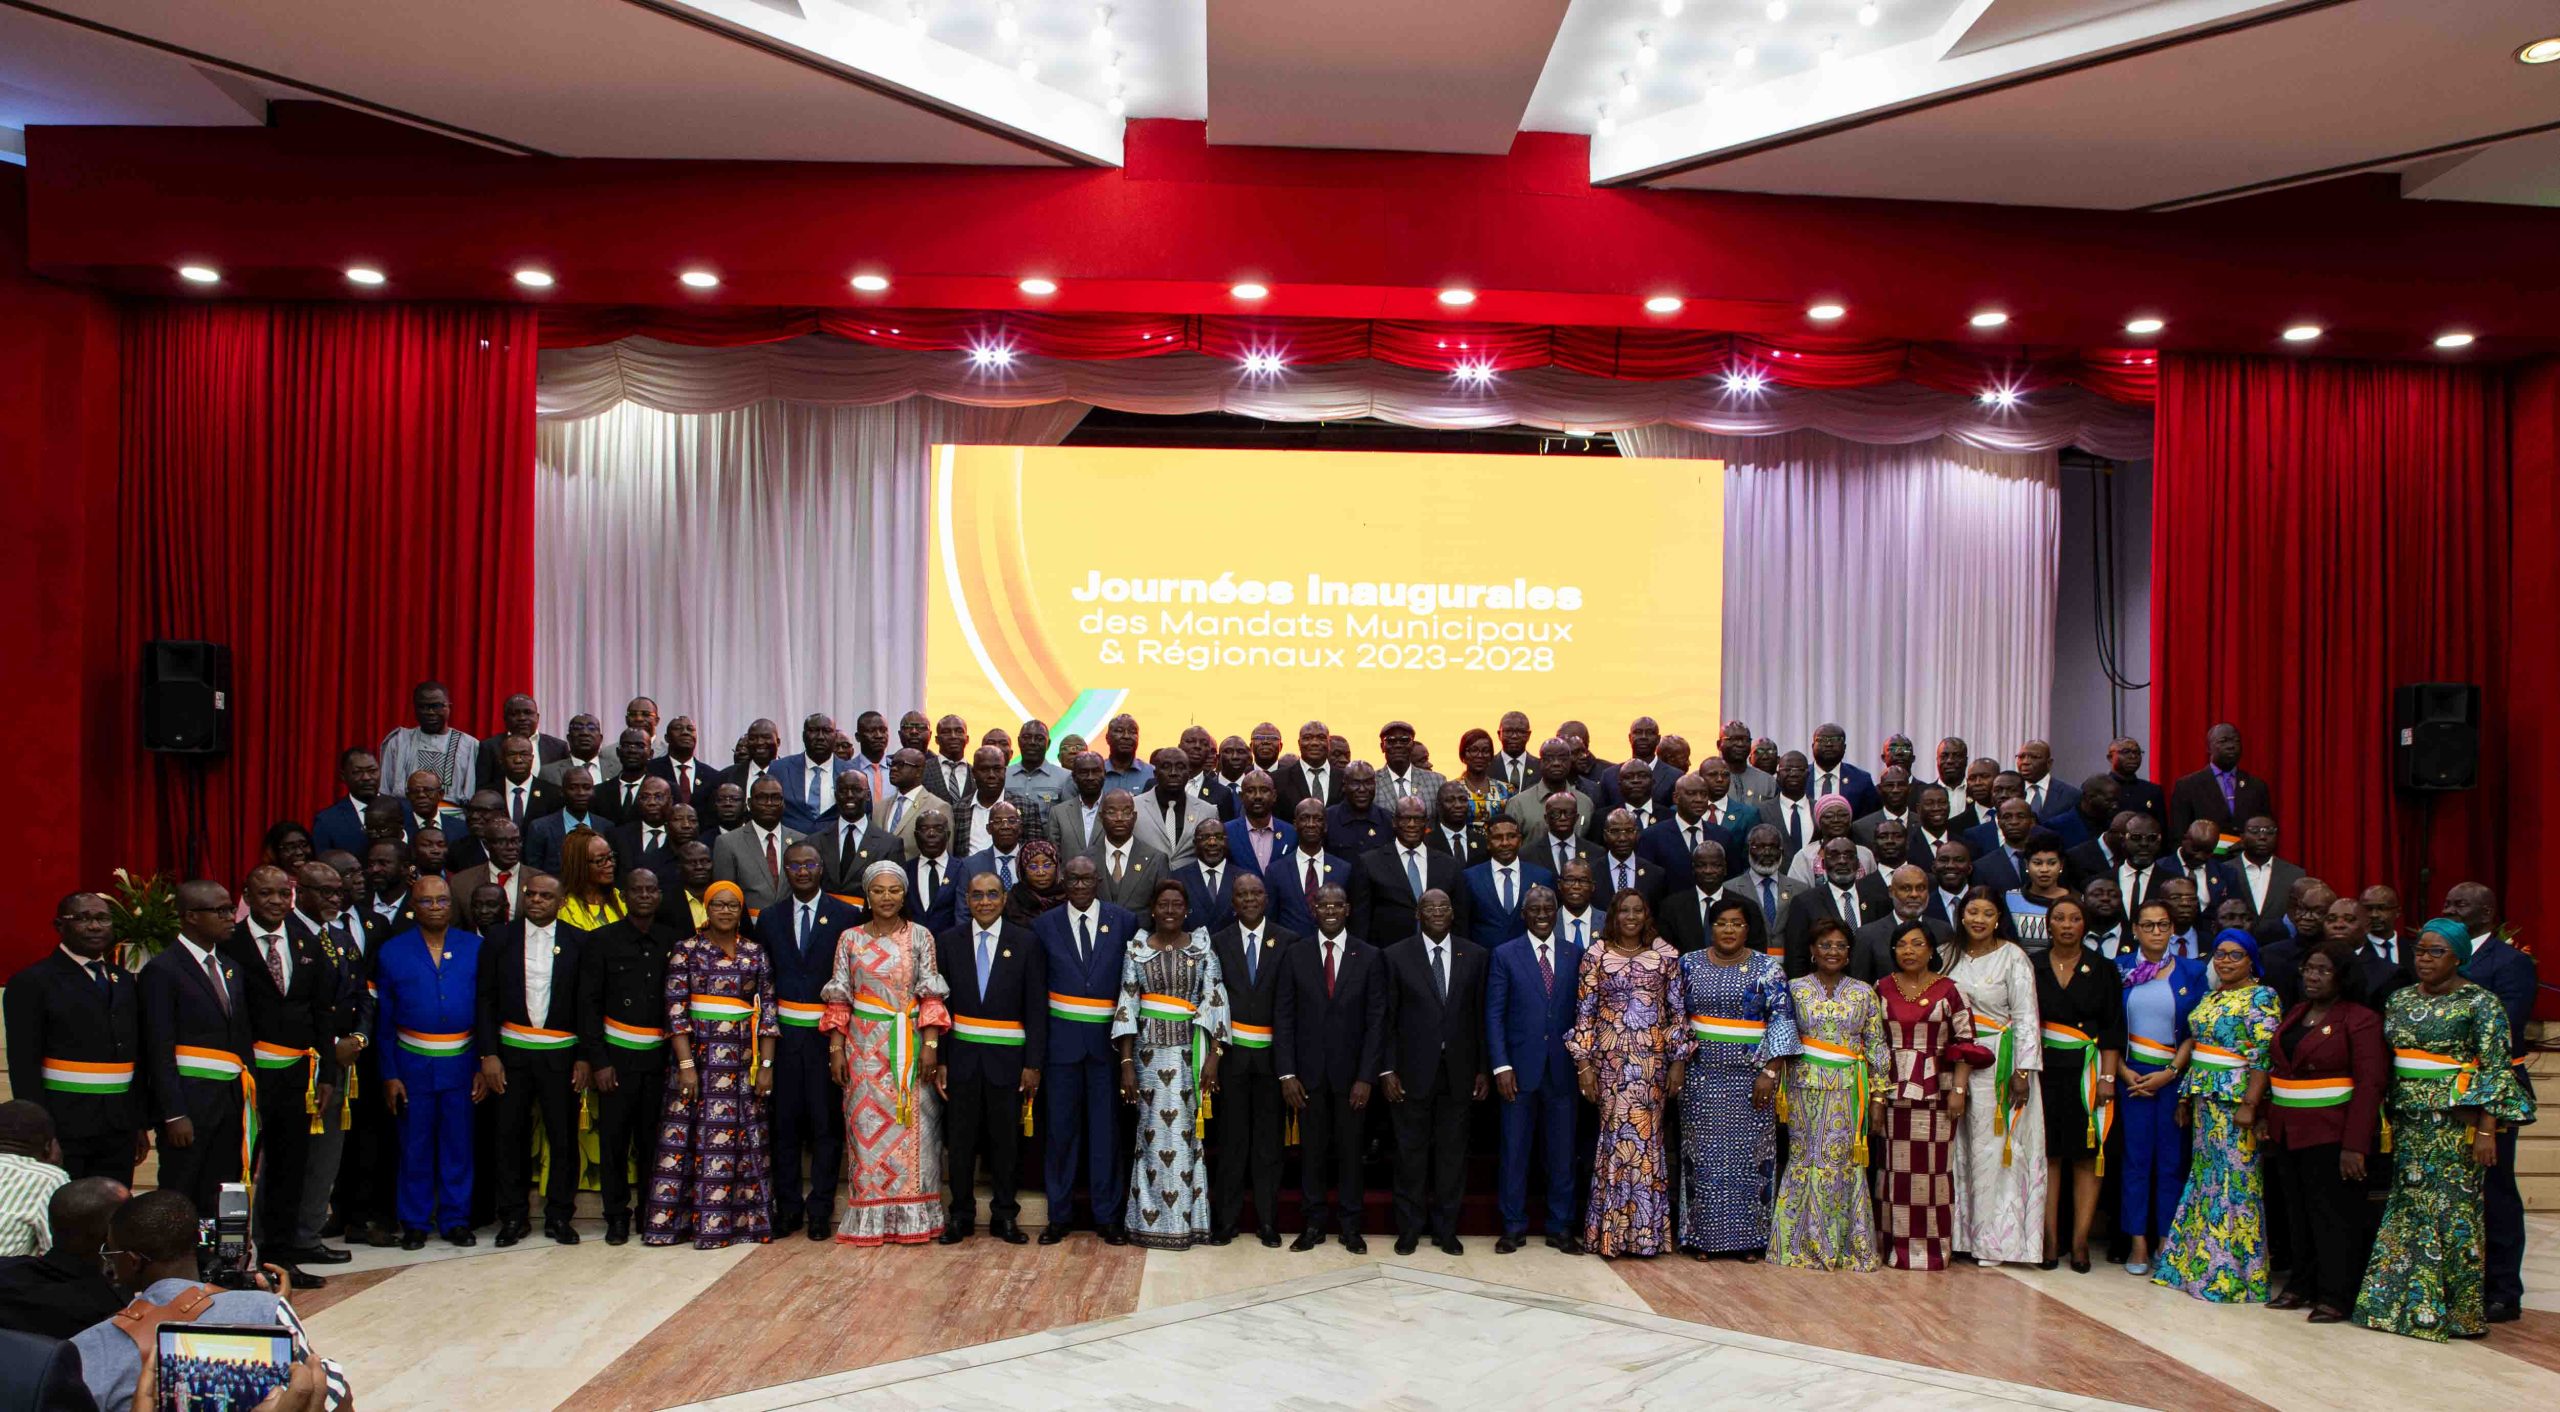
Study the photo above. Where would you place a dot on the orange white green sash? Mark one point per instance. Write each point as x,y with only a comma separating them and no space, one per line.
622,1036
515,1036
2004,1066
2215,1057
2151,1051
84,1076
1823,1054
2415,1065
2073,1039
977,1031
276,1058
801,1014
1715,1029
1250,1036
2311,1093
871,1008
1174,1010
221,1066
434,1046
720,1009
1078,1007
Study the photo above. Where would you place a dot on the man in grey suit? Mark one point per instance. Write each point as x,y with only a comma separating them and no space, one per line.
1893,792
1766,883
1555,776
586,752
897,814
1075,821
1559,839
1755,786
1401,778
751,857
1172,809
1129,868
847,841
1871,951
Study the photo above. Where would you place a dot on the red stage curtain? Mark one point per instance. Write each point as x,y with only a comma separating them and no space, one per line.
2321,533
2533,669
344,495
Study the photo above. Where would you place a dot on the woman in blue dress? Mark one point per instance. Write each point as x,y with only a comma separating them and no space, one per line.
1745,1027
2160,988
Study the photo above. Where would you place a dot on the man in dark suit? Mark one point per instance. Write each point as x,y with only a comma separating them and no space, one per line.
643,840
523,716
2092,811
1454,832
529,1057
2001,860
1258,837
1082,946
1494,888
1831,772
690,778
1931,827
1328,1027
2133,791
848,843
341,825
1384,892
1435,1039
1529,1002
2137,867
2221,792
1841,896
193,1000
619,798
1247,1126
933,901
74,1022
2049,796
1670,843
2507,973
39,1374
1305,860
523,795
2097,856
1001,858
292,992
1621,864
1309,774
1635,778
622,1018
548,835
322,918
1210,878
1681,912
1610,788
1871,948
1358,822
991,1062
799,935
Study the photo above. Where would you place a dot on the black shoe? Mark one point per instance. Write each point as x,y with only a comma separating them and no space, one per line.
617,1230
1008,1232
382,1237
321,1255
302,1279
509,1232
1307,1240
560,1231
786,1225
1270,1239
2502,1313
1115,1235
460,1235
1451,1246
1220,1238
1353,1243
1568,1243
335,1228
1407,1244
413,1239
953,1235
1052,1233
820,1230
1508,1244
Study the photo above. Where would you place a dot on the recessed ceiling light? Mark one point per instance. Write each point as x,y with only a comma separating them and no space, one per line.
1646,54
1036,285
1869,13
1117,104
1776,10
1008,24
2540,51
1663,304
1745,56
2454,340
534,279
871,284
2302,333
1826,312
1249,290
1457,298
2145,325
364,275
1990,318
200,274
699,279
1607,126
1671,9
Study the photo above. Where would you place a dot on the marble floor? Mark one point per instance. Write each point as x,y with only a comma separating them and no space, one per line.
797,1324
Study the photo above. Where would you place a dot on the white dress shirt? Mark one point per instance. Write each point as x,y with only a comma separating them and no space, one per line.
537,975
283,947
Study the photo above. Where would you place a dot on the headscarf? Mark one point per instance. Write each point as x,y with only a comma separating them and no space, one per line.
1826,801
2240,939
1026,902
2456,936
712,893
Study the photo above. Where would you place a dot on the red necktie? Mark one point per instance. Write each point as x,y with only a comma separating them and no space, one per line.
1328,970
772,864
1546,969
684,783
1312,880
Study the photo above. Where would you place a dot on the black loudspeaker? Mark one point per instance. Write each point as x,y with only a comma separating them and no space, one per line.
186,697
2435,733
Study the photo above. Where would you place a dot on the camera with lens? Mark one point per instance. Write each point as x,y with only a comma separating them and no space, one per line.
226,1257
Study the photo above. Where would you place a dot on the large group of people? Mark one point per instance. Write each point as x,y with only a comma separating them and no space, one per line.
1755,1003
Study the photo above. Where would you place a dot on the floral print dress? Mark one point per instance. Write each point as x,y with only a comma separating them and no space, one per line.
2217,1246
1824,1220
1631,1022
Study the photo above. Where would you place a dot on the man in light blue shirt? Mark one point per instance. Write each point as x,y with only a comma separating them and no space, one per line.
152,1249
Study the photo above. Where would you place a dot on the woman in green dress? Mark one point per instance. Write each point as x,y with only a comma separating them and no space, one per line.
2217,1246
2450,1092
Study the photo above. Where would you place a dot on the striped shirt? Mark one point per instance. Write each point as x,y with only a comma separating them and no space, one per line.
26,1187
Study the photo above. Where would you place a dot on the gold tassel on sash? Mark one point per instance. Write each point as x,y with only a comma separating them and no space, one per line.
1289,1129
2385,1119
311,1091
1026,1114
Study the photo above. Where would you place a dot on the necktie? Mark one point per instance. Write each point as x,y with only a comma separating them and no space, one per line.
1830,782
1004,870
1547,967
1625,881
1795,826
1564,853
1849,908
1117,858
1440,971
651,837
2035,798
1315,879
958,775
106,987
1693,838
1084,940
772,859
986,960
2230,791
1577,931
275,961
684,783
1715,819
1318,779
1252,960
897,811
1504,892
1211,873
1328,970
213,969
816,772
1769,900
808,921
515,810
1413,871
932,880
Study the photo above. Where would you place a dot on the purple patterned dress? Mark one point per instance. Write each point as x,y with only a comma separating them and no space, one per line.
1631,1022
711,1178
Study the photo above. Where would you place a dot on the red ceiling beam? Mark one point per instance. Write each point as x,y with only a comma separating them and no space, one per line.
281,210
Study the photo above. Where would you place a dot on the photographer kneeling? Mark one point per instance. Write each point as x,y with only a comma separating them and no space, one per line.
152,1251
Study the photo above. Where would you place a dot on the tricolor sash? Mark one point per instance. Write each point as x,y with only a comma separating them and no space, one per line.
1174,1010
1250,1036
1823,1054
871,1008
2004,1066
515,1036
1078,1007
801,1014
276,1058
2311,1093
2079,1041
720,1009
434,1046
642,1037
2214,1056
1715,1029
2151,1051
970,1027
83,1076
221,1066
2414,1065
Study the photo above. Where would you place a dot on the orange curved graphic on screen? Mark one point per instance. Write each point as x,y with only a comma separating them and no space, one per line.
991,586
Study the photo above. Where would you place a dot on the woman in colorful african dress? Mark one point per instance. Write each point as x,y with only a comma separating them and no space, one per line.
1745,1029
1170,1027
2217,1246
884,1024
1486,793
1631,1047
2451,1090
711,1180
1929,1058
1823,1219
1999,1156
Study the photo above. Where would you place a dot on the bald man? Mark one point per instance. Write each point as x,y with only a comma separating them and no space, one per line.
193,1000
427,983
292,985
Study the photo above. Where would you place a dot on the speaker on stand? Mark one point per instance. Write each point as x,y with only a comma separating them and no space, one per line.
186,715
2435,748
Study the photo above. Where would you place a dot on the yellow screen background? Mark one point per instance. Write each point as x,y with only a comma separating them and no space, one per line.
1069,584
